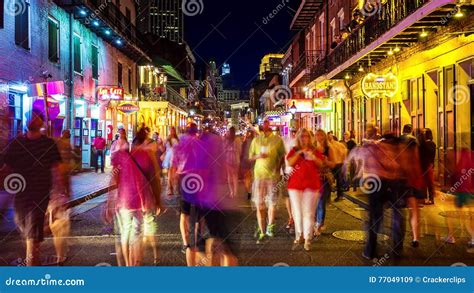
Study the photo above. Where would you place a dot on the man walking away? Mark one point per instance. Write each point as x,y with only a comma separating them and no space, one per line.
31,159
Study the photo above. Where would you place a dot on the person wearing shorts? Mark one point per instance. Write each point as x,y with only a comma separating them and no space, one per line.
31,159
268,152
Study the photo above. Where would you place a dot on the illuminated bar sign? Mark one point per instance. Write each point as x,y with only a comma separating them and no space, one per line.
106,93
374,85
302,105
323,105
50,88
128,108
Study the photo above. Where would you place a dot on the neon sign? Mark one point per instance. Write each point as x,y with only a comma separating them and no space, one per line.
106,93
374,85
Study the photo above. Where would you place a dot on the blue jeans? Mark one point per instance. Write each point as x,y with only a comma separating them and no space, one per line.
321,209
389,192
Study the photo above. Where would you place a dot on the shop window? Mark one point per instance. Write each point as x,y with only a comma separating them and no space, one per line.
14,115
22,24
95,61
53,44
77,42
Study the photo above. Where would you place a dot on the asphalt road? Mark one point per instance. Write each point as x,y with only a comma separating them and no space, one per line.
92,242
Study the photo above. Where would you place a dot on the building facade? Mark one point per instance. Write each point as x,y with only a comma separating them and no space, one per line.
388,63
84,61
163,18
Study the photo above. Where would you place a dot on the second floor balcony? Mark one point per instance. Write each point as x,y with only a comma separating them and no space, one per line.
397,24
302,66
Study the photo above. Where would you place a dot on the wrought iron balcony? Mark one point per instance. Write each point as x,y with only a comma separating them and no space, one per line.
306,61
105,19
374,27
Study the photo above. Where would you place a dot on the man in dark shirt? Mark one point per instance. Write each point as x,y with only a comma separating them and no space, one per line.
31,159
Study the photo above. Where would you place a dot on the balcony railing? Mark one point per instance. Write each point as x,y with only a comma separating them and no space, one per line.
374,27
108,12
307,61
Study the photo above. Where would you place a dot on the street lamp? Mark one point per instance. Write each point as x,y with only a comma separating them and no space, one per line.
293,109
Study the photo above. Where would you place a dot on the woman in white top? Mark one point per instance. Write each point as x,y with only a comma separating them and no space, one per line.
171,143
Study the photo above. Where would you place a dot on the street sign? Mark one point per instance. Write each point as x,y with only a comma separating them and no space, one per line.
128,108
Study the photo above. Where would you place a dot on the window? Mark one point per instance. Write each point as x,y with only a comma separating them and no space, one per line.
53,44
77,43
119,74
1,13
95,61
130,80
321,31
340,14
22,24
333,30
128,14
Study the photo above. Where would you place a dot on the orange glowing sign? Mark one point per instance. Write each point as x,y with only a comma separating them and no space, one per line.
105,93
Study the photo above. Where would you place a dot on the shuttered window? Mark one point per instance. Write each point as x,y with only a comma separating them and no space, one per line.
53,32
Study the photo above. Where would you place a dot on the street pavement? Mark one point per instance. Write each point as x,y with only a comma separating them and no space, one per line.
92,241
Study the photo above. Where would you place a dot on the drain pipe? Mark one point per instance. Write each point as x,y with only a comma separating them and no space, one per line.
70,121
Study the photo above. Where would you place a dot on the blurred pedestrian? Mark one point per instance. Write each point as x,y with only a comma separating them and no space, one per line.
340,154
427,151
247,165
410,194
186,148
31,158
289,142
268,151
136,202
171,142
98,148
304,186
326,177
233,148
350,144
58,211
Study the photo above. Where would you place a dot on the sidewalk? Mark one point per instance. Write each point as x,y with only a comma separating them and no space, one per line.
84,187
434,219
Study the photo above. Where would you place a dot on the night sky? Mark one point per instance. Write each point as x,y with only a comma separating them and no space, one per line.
227,31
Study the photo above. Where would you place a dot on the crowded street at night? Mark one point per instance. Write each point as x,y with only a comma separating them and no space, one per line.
294,133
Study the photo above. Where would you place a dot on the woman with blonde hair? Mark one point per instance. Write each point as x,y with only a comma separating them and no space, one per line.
303,186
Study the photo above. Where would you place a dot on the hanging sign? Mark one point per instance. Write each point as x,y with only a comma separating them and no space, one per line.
128,108
106,93
374,85
323,105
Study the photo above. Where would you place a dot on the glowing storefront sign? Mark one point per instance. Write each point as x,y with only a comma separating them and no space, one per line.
128,108
323,105
106,93
374,85
302,105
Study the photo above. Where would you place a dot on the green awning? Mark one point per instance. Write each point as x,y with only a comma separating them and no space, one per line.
169,69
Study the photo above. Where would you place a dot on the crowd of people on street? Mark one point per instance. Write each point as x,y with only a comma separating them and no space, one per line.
202,170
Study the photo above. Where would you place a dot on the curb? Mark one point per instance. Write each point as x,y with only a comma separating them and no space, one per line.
85,198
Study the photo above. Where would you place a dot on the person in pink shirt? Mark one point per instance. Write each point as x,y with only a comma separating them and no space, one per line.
136,202
98,147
